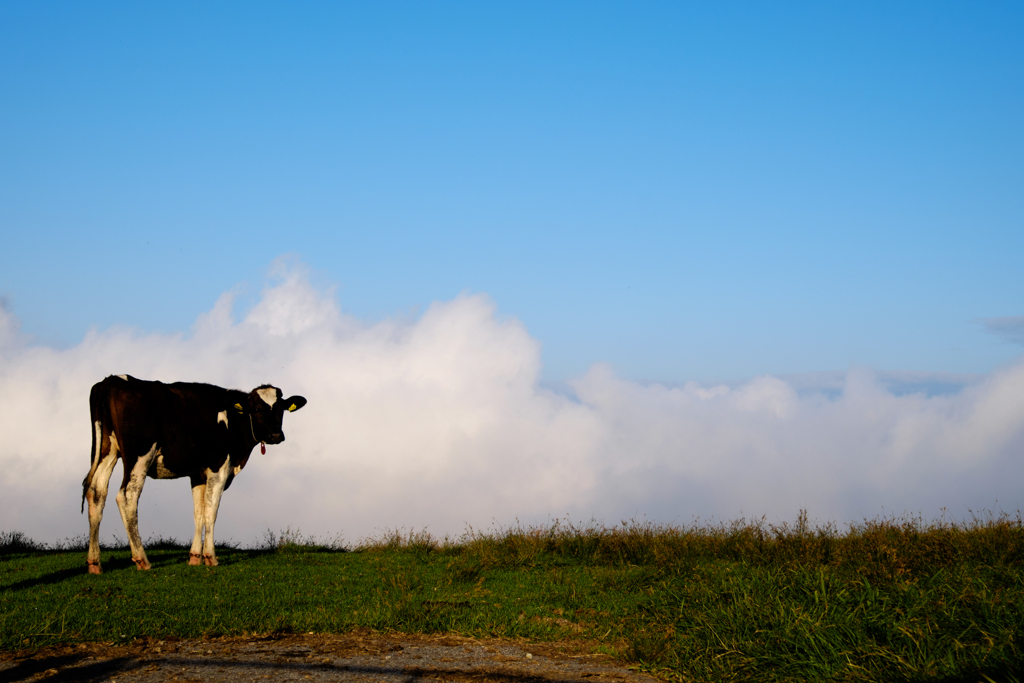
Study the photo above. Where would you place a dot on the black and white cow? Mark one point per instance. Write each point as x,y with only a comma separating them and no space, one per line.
166,431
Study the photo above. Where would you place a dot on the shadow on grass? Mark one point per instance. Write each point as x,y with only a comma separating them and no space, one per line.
161,559
46,579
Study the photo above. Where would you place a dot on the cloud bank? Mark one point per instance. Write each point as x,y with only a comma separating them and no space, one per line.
440,422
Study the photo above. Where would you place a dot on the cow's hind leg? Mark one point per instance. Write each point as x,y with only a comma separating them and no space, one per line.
195,554
128,504
96,495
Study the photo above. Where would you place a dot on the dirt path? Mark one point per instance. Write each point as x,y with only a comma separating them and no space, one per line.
351,657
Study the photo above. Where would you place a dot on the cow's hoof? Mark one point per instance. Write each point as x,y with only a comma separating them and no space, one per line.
94,568
210,560
195,559
141,565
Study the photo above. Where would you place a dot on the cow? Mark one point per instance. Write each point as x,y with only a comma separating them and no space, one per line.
166,431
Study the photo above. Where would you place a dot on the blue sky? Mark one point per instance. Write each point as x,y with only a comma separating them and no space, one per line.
683,191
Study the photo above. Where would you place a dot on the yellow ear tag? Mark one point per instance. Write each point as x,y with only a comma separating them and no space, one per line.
238,407
292,408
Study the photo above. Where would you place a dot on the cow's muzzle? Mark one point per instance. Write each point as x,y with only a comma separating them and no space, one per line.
274,438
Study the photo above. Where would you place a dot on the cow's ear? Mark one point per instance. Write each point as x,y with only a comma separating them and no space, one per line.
239,408
294,403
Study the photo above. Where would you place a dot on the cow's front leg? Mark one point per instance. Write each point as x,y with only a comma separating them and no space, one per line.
215,482
128,505
195,554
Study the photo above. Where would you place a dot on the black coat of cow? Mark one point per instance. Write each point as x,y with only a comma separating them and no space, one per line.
166,431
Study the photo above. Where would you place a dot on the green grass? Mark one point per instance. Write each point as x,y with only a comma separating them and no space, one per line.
890,600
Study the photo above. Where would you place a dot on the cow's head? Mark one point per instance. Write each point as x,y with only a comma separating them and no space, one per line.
265,408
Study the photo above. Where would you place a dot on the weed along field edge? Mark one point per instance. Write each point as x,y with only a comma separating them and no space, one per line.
886,600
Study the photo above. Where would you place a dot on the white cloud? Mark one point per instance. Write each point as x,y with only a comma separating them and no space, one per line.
440,422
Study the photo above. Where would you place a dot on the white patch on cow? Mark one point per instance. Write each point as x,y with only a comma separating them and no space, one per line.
142,465
222,416
221,474
269,395
99,442
124,377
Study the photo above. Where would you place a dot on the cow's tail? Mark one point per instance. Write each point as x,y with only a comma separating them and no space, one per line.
99,411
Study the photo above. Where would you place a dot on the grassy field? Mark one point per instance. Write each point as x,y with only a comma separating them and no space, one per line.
889,600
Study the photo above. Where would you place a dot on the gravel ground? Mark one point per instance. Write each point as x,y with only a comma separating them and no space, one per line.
351,657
